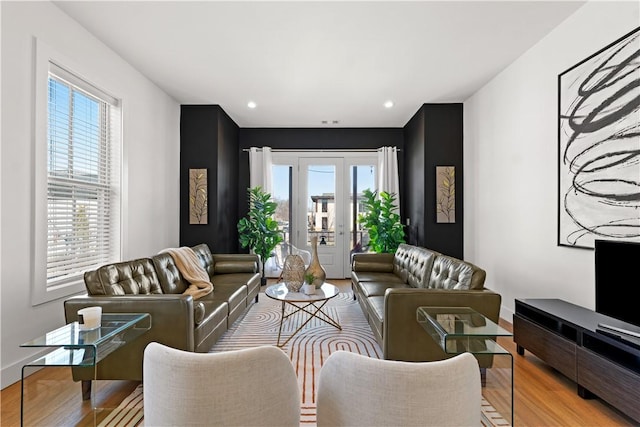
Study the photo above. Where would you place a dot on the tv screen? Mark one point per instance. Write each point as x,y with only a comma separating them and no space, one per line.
618,279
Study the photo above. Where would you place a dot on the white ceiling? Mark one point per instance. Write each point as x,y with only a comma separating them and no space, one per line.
304,62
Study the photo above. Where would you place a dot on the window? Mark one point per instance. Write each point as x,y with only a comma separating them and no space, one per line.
82,182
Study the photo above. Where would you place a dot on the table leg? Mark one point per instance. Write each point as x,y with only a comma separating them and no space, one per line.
317,313
282,318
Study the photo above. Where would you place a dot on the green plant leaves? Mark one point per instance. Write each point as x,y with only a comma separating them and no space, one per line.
381,221
258,230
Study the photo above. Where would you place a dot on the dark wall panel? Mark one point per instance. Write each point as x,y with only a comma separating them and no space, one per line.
227,200
209,139
414,178
443,147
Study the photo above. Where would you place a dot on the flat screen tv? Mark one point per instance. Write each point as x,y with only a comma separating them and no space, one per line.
618,280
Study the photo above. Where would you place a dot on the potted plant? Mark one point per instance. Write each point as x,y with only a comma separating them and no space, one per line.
259,230
381,221
308,287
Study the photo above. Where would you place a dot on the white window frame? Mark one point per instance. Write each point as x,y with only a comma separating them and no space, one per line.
47,59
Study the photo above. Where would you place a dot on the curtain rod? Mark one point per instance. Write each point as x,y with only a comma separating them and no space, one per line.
310,150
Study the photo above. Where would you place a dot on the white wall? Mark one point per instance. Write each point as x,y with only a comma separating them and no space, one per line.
511,172
151,150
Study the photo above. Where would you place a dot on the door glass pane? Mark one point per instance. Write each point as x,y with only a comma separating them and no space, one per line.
321,204
362,177
281,194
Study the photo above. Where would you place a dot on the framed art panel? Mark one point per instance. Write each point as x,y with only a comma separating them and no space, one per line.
599,146
445,194
198,198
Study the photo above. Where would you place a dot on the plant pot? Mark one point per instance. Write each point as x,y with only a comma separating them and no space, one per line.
308,289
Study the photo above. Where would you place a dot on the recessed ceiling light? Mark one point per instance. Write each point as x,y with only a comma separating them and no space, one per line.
251,104
388,104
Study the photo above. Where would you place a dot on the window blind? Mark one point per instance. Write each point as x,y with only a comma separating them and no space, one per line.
83,169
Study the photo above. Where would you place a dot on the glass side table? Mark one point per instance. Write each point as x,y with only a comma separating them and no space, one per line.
72,347
462,329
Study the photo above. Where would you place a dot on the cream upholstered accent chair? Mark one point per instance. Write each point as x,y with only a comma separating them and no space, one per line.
356,390
249,387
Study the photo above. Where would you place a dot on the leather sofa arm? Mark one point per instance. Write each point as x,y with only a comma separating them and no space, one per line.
235,263
172,315
405,339
382,263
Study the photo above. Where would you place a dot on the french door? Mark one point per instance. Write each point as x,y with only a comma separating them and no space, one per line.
319,194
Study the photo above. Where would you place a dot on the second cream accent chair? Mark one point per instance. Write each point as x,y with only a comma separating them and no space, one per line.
356,390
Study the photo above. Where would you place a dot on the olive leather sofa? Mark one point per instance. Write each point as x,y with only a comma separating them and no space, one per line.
155,286
391,287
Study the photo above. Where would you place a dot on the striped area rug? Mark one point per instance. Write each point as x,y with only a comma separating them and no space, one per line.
307,350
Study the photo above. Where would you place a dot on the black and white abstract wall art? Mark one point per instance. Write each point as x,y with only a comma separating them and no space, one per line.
599,146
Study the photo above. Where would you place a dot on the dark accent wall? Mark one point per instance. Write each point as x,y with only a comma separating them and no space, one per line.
413,197
312,138
209,139
433,137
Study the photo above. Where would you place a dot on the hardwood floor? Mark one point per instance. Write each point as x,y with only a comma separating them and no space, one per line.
52,398
543,397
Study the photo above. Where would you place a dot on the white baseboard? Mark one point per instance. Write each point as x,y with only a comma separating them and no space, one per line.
13,373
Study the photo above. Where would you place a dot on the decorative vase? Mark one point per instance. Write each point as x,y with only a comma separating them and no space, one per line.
293,272
314,266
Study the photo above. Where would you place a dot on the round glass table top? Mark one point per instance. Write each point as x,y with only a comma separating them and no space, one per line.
280,292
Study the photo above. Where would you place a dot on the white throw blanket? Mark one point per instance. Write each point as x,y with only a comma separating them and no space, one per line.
189,266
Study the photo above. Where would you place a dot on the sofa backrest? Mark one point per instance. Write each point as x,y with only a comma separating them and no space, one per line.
136,277
206,259
413,264
171,281
452,273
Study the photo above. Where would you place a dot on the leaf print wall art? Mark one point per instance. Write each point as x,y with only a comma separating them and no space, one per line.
198,201
445,194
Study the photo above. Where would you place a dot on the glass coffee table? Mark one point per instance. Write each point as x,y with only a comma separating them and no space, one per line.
298,302
71,347
462,329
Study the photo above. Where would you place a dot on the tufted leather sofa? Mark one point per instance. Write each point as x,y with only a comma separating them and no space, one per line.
390,288
155,286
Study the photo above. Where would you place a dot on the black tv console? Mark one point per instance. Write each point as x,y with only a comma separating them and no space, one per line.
568,338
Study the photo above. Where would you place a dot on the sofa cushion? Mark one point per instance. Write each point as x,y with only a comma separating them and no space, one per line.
136,277
452,273
235,294
237,279
171,281
232,266
372,262
413,265
370,289
368,276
